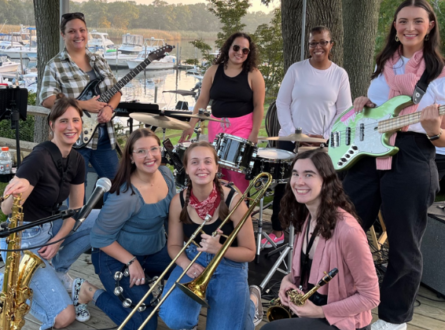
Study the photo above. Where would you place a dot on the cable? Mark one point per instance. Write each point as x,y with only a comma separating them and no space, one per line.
36,246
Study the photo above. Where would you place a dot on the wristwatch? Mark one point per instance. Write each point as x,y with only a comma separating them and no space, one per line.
434,137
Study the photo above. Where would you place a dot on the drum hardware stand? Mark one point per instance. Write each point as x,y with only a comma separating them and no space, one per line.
198,132
286,250
260,233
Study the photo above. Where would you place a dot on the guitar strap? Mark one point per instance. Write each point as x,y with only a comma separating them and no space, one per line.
421,87
63,170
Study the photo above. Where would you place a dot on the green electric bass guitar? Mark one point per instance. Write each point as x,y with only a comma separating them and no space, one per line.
355,135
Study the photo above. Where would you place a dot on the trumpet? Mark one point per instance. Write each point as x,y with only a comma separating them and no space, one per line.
278,311
196,289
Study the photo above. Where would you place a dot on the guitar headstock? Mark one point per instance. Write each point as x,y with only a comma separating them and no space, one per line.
160,52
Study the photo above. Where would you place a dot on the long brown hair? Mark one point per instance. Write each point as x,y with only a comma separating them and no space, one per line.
252,58
60,106
332,197
126,166
434,62
223,209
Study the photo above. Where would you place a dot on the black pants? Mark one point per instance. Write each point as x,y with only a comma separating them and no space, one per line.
403,194
440,163
302,324
279,190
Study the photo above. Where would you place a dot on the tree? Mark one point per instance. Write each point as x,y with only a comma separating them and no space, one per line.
319,12
360,21
47,26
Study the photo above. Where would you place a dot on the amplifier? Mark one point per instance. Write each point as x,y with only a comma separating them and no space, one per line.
433,250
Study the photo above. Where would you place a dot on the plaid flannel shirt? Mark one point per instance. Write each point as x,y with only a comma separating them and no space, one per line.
62,75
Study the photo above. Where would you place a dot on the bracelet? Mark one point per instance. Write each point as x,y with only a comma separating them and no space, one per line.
112,109
434,137
130,262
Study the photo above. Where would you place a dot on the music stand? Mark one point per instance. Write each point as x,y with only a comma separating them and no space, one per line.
13,106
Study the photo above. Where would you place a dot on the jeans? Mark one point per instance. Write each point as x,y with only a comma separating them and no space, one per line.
50,296
106,266
403,194
227,295
104,159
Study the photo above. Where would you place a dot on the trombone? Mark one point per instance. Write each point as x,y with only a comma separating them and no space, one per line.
196,289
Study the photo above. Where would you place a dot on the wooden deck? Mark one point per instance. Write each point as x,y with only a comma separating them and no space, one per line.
428,314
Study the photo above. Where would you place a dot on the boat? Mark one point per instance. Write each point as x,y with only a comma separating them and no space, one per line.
151,44
8,41
7,65
132,45
15,52
100,39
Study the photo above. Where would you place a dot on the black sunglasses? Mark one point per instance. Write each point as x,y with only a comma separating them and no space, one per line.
70,16
236,48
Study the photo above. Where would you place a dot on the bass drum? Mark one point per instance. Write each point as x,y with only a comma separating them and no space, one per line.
276,162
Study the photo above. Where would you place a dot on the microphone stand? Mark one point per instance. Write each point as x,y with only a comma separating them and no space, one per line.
5,232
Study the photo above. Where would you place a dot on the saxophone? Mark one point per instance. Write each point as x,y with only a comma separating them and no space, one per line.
17,276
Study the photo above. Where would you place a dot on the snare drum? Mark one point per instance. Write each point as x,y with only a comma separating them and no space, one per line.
277,162
235,153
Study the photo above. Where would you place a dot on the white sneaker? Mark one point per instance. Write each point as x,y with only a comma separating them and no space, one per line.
383,325
66,280
258,317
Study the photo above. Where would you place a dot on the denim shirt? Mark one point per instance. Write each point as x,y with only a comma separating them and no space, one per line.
138,227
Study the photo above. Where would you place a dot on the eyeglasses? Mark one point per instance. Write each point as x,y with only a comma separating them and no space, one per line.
141,153
236,48
70,16
321,43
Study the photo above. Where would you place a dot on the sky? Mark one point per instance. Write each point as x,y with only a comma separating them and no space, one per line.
256,5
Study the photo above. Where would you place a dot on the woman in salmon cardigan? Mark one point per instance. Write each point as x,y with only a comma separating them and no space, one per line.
328,235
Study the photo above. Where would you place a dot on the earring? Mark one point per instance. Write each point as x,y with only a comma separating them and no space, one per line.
427,37
397,38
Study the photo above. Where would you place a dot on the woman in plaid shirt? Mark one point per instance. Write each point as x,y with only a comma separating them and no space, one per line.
68,73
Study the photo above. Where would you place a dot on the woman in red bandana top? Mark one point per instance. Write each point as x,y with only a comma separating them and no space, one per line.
402,186
228,290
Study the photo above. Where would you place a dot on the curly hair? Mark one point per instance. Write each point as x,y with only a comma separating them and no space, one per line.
434,62
332,197
252,58
223,209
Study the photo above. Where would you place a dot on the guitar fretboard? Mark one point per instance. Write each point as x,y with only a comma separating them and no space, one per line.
394,124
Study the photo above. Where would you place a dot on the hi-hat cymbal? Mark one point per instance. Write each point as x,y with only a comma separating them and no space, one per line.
294,137
199,116
159,121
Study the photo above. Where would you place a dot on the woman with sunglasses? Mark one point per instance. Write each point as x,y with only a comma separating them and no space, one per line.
69,72
313,93
129,232
403,186
44,187
236,88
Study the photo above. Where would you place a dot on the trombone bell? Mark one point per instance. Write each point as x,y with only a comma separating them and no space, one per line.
195,291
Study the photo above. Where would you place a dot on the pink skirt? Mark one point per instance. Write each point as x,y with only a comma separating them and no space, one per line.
241,127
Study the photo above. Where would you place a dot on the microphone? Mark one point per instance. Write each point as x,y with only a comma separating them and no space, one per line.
103,185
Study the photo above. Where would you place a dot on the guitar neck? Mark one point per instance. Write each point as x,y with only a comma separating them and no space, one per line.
394,124
106,97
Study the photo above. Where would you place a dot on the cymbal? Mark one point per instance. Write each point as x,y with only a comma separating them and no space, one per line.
295,137
159,121
201,117
302,149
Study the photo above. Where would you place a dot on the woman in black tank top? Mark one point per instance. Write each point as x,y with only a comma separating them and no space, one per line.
228,290
237,90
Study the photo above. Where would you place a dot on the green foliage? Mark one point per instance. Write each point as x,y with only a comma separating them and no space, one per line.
192,61
26,128
205,52
269,41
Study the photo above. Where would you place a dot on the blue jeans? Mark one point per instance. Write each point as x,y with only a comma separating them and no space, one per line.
106,266
50,296
227,295
104,159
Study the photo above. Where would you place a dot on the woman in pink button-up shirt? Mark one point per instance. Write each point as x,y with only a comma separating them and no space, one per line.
316,205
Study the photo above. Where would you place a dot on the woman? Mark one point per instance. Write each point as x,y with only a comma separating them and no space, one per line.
313,93
43,190
129,231
236,88
388,183
69,72
328,236
228,291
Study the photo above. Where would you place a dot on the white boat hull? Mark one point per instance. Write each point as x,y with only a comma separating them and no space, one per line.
155,65
9,68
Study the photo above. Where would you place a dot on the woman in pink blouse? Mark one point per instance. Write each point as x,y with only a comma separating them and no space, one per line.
328,236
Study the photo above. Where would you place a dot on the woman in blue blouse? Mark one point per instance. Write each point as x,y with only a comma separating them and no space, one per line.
130,230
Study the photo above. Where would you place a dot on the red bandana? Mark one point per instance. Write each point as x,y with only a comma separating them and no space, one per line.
208,205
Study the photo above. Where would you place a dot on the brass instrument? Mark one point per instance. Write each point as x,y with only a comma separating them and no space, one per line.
278,311
196,289
17,276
